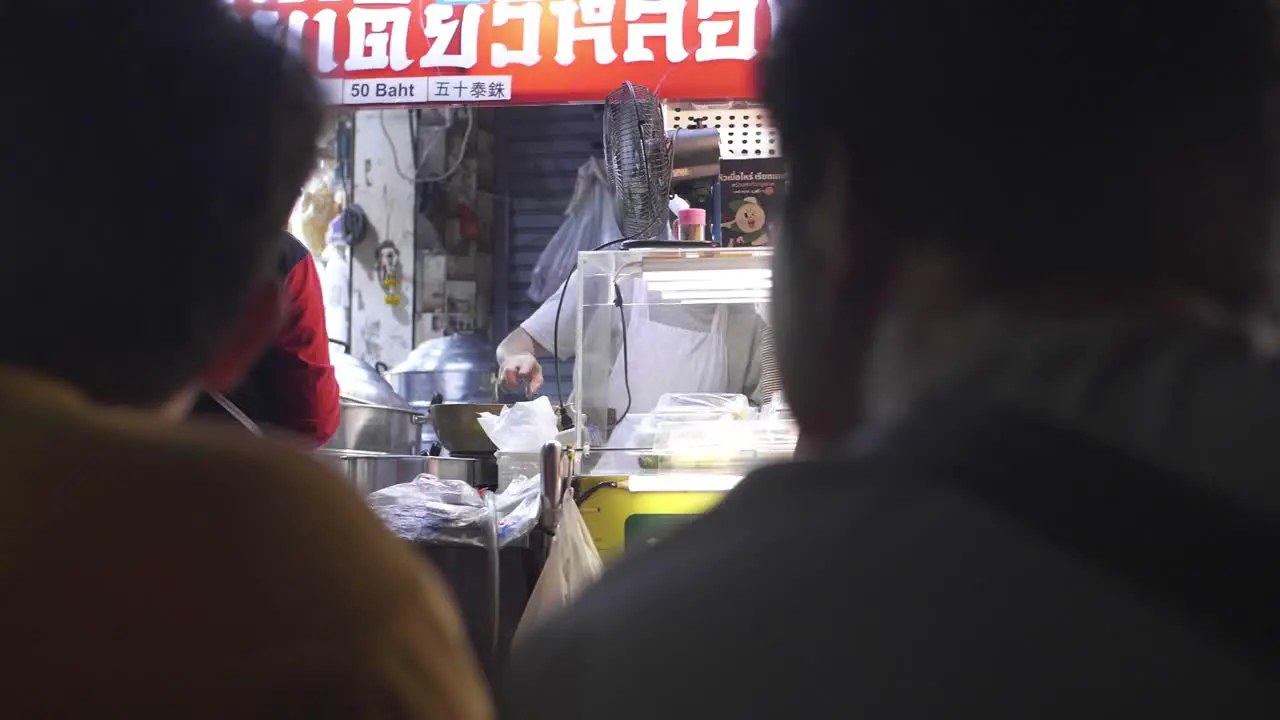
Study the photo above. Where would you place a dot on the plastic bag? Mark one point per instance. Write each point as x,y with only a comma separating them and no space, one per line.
522,428
777,410
573,565
589,223
451,512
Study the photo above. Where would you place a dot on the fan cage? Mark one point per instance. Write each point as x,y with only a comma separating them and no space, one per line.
638,160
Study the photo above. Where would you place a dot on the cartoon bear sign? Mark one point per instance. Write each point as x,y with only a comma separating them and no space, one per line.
750,221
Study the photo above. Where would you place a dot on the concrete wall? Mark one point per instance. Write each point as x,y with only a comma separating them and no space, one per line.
381,307
432,214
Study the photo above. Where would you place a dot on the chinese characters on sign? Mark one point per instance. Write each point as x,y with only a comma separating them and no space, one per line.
448,89
470,88
535,51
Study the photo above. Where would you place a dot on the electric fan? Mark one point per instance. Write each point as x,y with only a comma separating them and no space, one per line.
640,159
637,156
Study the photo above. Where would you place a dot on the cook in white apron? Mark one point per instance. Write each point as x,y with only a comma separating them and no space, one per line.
665,359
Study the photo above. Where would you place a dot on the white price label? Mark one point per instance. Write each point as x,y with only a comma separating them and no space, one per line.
391,91
407,91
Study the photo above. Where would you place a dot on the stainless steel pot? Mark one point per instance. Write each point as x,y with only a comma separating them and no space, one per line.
374,418
370,472
458,368
367,427
360,381
420,387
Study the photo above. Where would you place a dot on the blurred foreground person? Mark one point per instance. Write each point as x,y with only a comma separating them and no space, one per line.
1011,307
153,568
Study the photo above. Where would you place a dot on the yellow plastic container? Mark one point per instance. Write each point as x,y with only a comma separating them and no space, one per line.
621,520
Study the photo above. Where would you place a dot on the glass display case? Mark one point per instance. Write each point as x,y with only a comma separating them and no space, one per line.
668,367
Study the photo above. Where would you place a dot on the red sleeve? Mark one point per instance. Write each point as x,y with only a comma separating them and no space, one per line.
305,374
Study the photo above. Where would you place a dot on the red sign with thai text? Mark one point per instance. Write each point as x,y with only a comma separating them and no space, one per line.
522,51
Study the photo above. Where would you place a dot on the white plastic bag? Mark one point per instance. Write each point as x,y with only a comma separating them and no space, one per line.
451,512
524,427
572,566
589,223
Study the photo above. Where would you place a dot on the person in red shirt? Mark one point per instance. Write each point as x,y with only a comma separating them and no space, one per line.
293,386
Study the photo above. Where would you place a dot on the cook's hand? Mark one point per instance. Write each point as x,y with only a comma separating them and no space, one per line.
522,368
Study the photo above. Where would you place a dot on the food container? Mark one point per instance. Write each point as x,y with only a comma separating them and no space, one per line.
693,225
688,407
512,465
370,472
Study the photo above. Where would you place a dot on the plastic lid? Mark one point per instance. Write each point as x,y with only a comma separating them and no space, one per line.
693,216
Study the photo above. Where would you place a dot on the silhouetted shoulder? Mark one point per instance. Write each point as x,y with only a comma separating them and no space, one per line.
869,588
225,557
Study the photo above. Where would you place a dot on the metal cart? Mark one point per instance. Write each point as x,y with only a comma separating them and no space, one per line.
493,584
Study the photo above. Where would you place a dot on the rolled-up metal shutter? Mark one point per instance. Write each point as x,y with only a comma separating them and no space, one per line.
539,152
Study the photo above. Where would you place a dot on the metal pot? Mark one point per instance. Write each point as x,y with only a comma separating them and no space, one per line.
420,387
374,418
362,382
457,426
366,427
370,472
458,368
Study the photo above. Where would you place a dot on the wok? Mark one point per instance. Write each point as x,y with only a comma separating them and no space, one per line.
458,428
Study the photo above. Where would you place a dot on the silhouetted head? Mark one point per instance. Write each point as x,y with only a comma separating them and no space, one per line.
1067,153
144,201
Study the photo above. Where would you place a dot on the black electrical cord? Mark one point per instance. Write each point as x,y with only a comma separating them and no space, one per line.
626,361
581,498
413,136
352,218
555,331
354,221
346,160
658,217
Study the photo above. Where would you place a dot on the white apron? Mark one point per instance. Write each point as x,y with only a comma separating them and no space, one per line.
665,359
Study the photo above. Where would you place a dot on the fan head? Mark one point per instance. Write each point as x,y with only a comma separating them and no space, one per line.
637,156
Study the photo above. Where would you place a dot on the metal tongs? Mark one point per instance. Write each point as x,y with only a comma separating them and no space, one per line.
236,413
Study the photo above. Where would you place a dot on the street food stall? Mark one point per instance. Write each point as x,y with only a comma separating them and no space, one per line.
673,81
642,469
